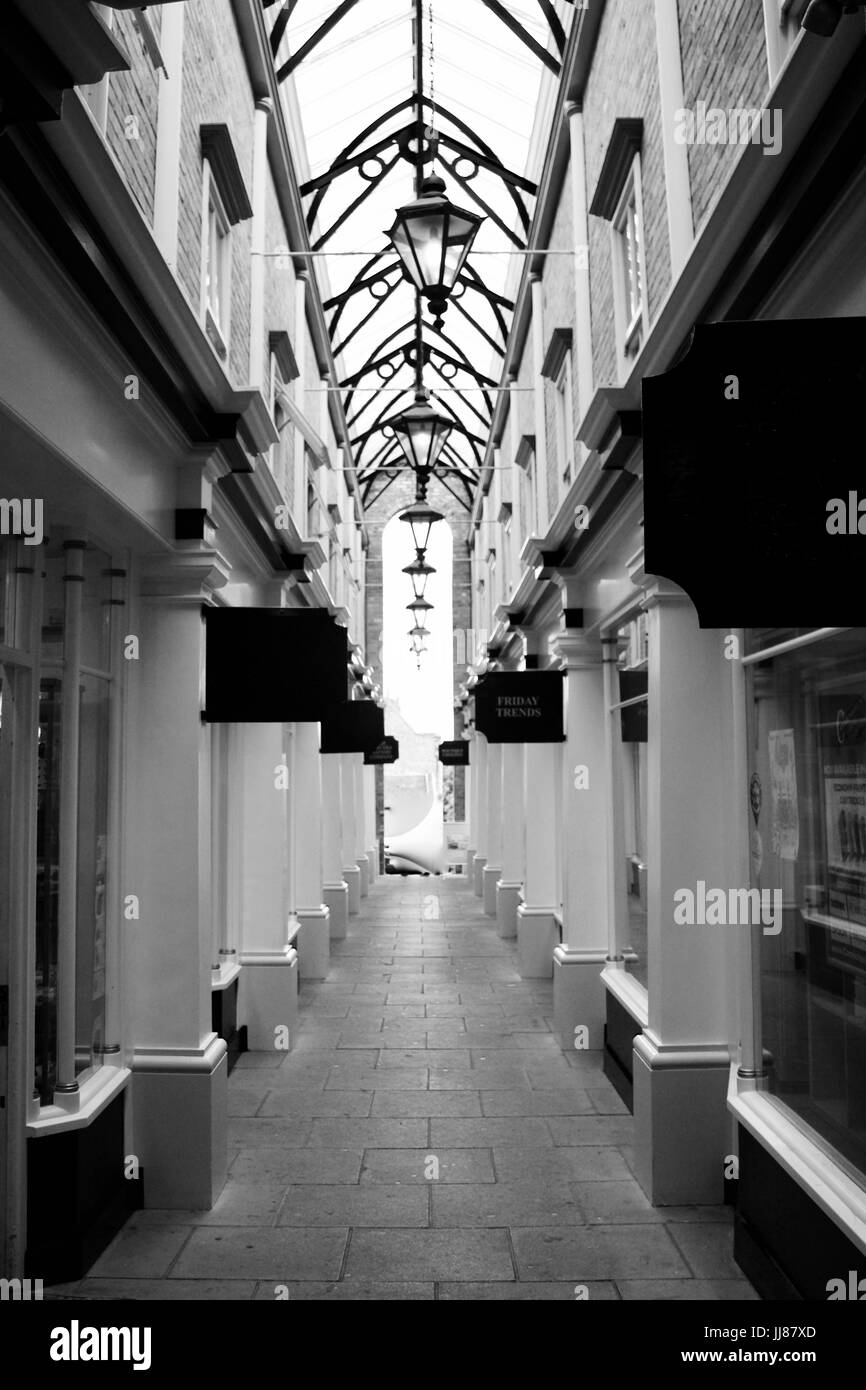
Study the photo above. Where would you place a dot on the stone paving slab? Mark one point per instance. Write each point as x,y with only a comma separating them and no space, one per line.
425,1137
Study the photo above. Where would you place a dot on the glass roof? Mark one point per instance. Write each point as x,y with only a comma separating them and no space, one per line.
351,72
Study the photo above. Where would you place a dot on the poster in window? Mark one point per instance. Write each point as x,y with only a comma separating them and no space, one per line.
843,767
783,792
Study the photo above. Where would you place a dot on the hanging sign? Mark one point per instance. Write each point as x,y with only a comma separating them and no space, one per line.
273,665
358,726
754,495
520,707
454,754
388,751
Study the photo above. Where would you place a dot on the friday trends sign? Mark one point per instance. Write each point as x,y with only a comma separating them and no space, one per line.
520,707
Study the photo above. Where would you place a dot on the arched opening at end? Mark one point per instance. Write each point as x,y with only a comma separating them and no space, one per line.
419,697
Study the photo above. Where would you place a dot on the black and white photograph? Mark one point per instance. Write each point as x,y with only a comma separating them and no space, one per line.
432,756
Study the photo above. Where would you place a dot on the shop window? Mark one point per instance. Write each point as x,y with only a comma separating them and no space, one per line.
806,812
629,718
73,853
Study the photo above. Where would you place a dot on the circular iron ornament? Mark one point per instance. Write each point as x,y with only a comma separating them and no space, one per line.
370,173
470,172
386,370
448,370
458,291
379,289
388,431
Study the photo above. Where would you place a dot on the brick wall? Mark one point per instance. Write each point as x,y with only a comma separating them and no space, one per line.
624,82
724,65
279,274
216,88
558,299
131,117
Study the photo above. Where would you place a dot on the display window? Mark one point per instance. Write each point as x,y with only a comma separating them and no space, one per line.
807,825
628,714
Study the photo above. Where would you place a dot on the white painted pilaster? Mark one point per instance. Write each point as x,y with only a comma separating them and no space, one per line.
480,859
681,1059
510,885
676,156
312,913
578,992
264,106
166,191
542,518
582,306
537,932
335,889
493,868
349,833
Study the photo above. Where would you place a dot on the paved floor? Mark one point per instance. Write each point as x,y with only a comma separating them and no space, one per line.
426,1137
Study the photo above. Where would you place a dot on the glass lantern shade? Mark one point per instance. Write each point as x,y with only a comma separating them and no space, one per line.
419,609
432,237
421,432
421,518
419,572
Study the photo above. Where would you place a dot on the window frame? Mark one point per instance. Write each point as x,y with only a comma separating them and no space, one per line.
216,314
631,324
564,387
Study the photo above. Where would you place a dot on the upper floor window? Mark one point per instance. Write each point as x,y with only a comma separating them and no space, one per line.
629,256
224,204
557,368
619,200
218,268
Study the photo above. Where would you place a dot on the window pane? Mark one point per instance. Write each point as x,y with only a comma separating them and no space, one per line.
92,846
807,795
96,610
630,730
47,869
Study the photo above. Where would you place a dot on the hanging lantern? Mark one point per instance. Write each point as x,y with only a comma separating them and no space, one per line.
422,433
432,237
419,609
421,518
419,572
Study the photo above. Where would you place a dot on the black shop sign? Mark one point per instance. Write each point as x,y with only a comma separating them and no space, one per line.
454,754
753,479
388,751
520,707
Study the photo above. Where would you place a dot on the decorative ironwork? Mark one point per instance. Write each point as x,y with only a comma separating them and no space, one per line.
370,156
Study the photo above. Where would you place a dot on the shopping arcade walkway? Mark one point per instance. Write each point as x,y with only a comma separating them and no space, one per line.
424,1044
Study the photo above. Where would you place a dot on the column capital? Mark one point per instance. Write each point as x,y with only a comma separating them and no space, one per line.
190,577
265,104
660,591
576,651
573,108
